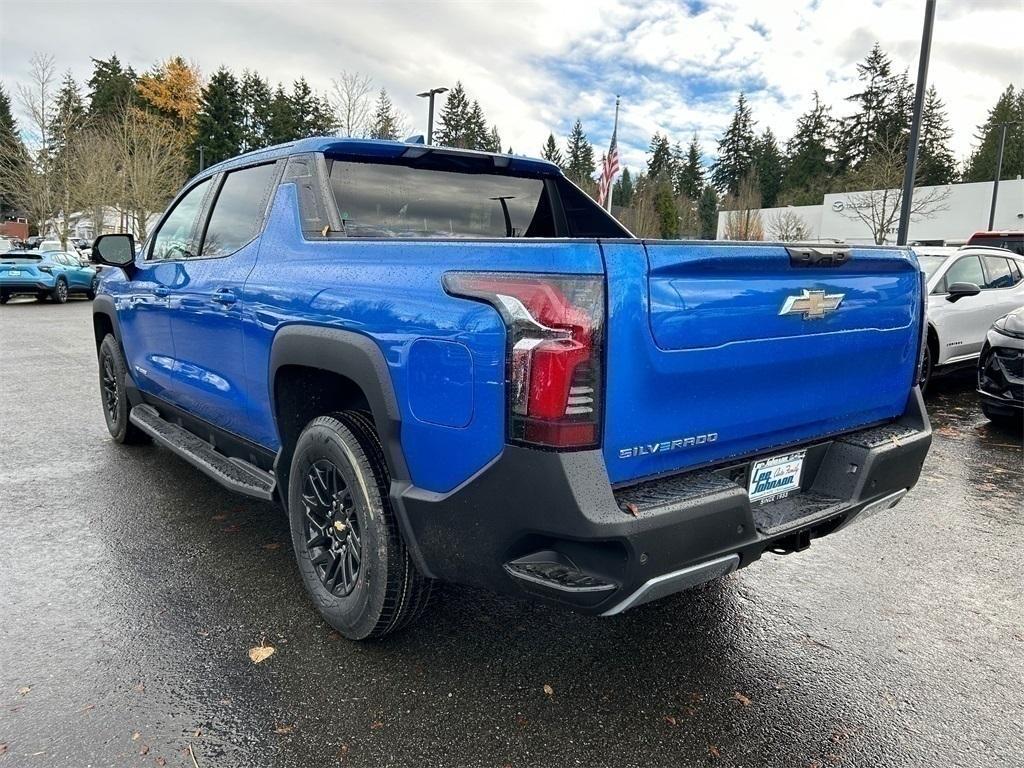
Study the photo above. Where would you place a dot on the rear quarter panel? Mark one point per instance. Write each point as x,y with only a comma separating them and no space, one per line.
446,356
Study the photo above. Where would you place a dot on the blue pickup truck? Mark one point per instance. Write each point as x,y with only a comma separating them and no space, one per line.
454,366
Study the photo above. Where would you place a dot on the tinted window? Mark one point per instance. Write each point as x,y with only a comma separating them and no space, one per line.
177,238
997,272
966,270
585,217
377,200
239,210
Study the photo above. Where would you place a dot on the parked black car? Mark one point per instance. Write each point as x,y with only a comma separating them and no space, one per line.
1001,371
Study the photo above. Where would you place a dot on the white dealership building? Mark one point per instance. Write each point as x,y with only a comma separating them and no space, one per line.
957,211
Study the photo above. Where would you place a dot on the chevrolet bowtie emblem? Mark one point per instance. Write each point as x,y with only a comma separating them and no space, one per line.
811,304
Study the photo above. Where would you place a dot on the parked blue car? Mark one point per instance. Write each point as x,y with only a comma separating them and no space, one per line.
47,274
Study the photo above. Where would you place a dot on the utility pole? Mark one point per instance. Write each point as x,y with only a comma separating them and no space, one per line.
430,110
915,126
999,172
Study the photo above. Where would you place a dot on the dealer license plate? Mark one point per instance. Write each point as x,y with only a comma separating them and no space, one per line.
775,478
14,272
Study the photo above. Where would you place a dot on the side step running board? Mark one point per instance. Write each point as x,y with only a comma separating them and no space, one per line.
234,474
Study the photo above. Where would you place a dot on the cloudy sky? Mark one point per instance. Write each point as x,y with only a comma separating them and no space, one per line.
536,66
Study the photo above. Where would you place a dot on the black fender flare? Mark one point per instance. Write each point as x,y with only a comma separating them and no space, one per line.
103,304
356,357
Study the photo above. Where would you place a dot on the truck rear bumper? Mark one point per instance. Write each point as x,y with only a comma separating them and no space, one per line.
550,525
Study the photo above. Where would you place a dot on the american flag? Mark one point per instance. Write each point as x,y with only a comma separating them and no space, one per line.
609,166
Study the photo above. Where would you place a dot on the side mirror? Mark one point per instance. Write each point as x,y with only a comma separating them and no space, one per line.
958,291
114,250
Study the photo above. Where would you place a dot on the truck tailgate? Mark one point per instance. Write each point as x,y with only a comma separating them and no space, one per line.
720,351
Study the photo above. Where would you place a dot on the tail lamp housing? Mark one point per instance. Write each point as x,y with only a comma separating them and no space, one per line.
554,352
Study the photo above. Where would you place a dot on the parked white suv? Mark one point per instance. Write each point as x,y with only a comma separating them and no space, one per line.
968,289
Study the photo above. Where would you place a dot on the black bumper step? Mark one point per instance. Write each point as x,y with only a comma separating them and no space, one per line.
234,474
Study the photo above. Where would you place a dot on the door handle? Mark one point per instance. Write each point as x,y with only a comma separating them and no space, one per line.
224,296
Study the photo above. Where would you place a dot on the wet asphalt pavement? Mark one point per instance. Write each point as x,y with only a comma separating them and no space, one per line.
131,588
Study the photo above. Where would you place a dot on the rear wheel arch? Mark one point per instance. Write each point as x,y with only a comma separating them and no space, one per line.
933,344
315,371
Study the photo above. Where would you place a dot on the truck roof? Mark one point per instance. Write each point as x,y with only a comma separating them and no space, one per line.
370,149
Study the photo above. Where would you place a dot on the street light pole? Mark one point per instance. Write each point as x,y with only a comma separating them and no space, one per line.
999,172
915,126
202,158
430,110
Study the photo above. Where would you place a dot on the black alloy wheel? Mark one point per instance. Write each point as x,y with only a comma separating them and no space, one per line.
332,528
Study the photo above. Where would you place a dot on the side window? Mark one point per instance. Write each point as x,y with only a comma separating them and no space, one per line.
966,270
584,217
239,210
997,269
1015,271
177,237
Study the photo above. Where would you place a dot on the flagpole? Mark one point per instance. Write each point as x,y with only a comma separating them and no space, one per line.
615,134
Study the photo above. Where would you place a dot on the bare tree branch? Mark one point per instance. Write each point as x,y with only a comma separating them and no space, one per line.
877,202
788,226
352,99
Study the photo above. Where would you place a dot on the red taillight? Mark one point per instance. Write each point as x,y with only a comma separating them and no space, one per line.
555,326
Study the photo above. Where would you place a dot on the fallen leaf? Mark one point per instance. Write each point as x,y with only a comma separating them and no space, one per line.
140,688
135,736
87,707
3,749
334,635
234,528
218,518
144,750
713,751
548,690
376,725
161,761
521,721
24,689
670,720
272,546
342,753
198,733
261,653
203,632
744,700
284,729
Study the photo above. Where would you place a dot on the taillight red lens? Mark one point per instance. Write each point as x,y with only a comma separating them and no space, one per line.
555,326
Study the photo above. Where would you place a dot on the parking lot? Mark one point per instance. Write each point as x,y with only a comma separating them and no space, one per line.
133,587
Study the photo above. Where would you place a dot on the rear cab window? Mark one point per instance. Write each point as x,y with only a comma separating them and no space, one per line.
997,272
440,199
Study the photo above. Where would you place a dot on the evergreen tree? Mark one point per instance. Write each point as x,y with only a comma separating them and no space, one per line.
981,166
385,121
735,150
579,164
622,189
707,212
219,122
809,156
12,151
550,151
476,136
494,140
453,122
68,115
660,164
935,161
768,166
281,125
311,114
690,179
883,110
111,88
256,111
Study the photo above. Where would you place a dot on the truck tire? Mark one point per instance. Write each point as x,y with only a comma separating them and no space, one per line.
347,543
113,375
